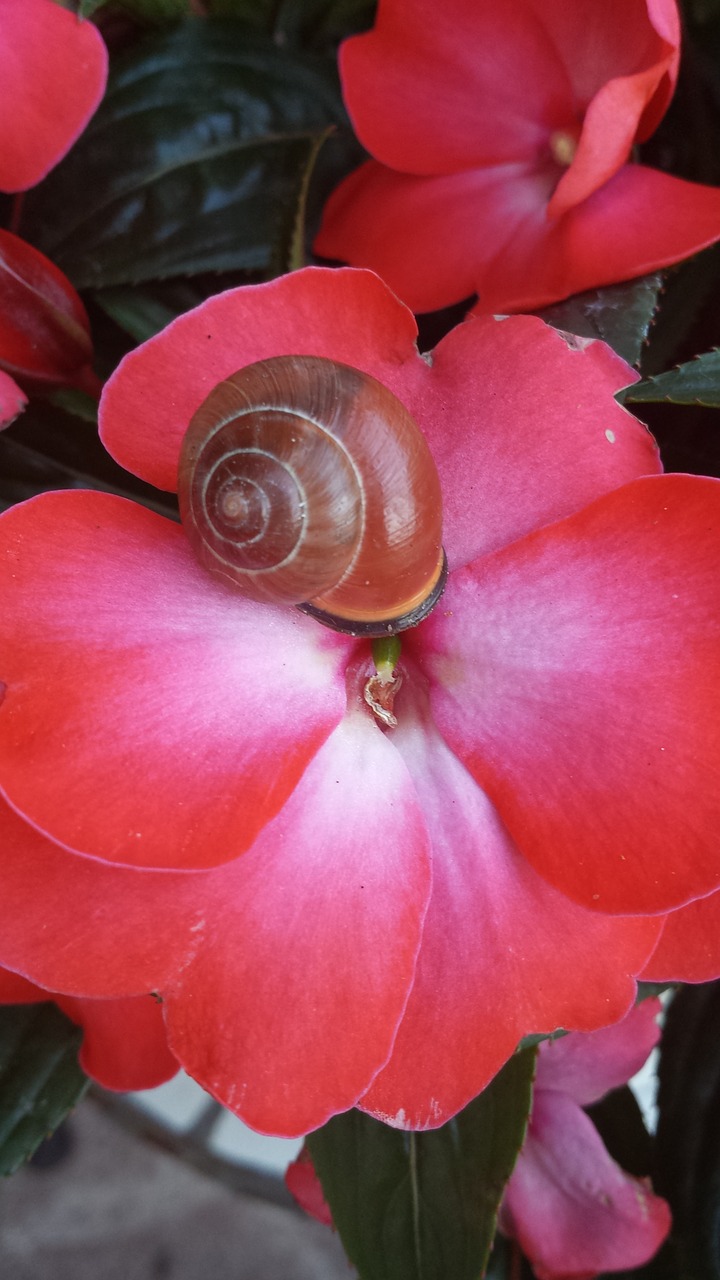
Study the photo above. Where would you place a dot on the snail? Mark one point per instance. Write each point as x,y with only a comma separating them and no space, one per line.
304,481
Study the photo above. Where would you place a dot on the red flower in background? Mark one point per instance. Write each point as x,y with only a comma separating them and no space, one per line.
124,1042
572,1209
44,327
53,69
202,804
502,137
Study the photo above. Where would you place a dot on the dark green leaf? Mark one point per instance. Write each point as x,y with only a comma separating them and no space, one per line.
190,164
619,314
291,250
687,1168
423,1206
697,382
40,1080
157,12
309,23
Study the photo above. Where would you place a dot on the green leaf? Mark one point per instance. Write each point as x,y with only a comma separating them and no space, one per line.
292,249
619,314
423,1206
40,1080
697,382
193,159
157,12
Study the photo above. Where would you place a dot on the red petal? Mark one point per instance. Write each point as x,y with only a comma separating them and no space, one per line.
639,221
304,1185
608,133
292,1002
44,328
45,48
502,953
524,428
571,1208
587,1066
689,947
601,41
433,239
434,91
88,928
345,315
124,1044
519,380
576,674
285,973
151,715
12,400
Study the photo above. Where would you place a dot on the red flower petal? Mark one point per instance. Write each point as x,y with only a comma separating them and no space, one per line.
304,1185
486,390
639,221
345,315
608,133
524,428
573,1210
12,400
431,92
291,1005
151,715
124,1044
432,239
587,1066
285,974
576,674
502,953
53,69
44,328
689,947
601,40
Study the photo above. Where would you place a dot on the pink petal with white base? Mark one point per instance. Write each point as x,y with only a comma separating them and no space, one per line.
151,716
491,968
292,1001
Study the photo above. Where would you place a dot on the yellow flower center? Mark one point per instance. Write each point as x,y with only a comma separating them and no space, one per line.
563,146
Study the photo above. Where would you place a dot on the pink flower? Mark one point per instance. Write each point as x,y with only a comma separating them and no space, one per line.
124,1043
571,1208
501,138
201,803
53,69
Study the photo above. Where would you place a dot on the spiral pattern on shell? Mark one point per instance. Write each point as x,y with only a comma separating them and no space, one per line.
304,481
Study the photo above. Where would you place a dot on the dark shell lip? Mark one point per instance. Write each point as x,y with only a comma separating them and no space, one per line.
383,626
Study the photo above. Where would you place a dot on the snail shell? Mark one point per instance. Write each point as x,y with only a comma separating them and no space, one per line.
304,481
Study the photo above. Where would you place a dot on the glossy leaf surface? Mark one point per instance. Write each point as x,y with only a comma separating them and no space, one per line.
215,128
619,314
697,382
